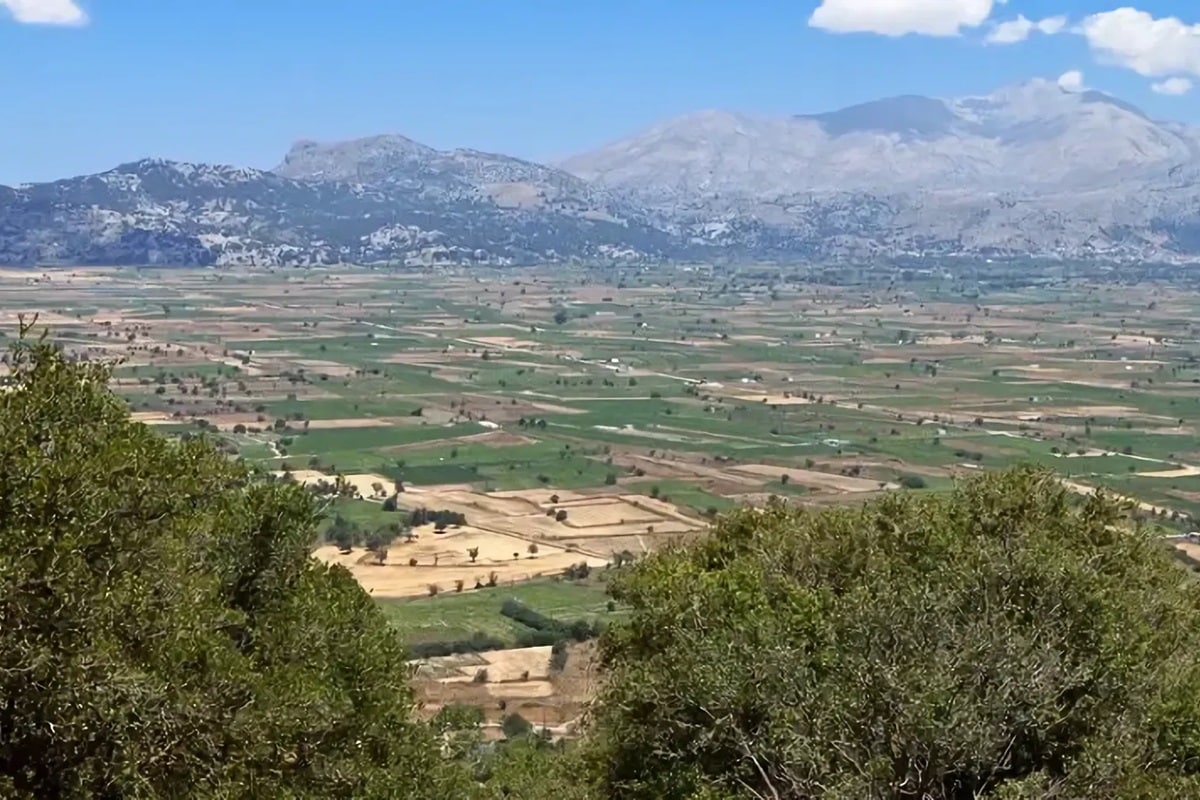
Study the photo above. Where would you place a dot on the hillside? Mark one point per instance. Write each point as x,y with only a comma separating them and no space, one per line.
178,214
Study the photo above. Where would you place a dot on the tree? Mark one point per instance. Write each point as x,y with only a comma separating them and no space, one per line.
560,316
379,540
472,553
344,540
1007,639
533,549
529,768
166,632
514,726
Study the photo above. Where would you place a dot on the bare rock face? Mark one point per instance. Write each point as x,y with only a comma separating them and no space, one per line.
1029,170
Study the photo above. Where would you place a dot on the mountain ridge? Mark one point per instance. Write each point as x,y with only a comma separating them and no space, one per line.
1027,170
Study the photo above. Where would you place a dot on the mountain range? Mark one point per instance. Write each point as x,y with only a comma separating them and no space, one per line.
1030,170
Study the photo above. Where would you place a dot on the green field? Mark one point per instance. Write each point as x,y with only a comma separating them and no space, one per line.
699,386
457,616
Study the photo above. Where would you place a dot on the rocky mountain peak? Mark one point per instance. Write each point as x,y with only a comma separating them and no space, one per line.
365,160
1028,169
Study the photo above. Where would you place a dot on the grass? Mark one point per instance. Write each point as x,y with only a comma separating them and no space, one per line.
684,494
364,513
451,616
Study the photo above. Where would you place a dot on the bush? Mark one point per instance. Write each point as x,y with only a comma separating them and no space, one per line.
547,629
558,657
577,572
477,643
533,638
912,482
515,726
1004,640
443,518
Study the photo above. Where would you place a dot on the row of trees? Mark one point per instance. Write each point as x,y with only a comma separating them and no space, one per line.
166,635
441,519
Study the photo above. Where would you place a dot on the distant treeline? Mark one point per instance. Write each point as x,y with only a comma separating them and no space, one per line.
440,519
476,643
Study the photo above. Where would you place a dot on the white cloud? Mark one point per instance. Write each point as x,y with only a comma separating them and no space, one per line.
900,17
1136,40
1071,81
1019,29
46,12
1172,86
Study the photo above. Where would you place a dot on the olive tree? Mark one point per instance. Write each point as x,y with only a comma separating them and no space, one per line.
1007,639
164,631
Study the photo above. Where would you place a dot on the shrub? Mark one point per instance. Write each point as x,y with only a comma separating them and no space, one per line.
476,643
1007,639
515,726
558,656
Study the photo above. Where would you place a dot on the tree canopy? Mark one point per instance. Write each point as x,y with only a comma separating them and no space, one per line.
1004,640
164,631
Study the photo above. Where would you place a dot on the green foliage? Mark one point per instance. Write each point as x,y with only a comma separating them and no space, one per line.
1003,640
558,656
514,725
459,727
551,630
529,768
165,632
477,642
441,519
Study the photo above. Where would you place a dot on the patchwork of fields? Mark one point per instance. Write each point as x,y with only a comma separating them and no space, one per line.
576,417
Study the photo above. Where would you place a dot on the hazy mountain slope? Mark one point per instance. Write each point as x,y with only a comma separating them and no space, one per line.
1032,136
1026,170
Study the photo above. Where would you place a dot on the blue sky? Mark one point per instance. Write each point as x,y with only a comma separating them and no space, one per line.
88,84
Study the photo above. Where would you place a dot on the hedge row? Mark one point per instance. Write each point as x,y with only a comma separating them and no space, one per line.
551,629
